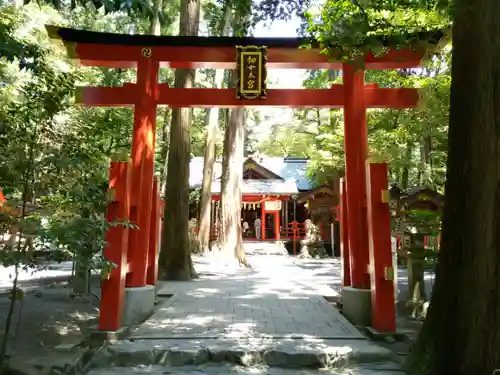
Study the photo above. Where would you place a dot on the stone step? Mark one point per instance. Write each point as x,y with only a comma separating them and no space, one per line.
230,369
283,353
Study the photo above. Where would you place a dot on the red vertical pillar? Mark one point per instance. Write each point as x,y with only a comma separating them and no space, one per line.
263,221
379,226
344,236
295,229
143,144
356,150
152,272
277,225
113,287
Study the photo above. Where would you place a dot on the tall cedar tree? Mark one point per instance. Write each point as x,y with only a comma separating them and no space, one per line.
210,144
461,335
175,258
230,239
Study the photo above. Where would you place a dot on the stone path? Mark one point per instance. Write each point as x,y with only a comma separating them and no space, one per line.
231,369
274,314
328,271
275,299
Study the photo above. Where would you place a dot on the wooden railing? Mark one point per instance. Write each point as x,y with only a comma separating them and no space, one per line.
290,232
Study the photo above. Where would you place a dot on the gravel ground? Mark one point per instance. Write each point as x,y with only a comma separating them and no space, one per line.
48,320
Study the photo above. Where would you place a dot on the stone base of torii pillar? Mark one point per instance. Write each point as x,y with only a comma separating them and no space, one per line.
139,304
356,306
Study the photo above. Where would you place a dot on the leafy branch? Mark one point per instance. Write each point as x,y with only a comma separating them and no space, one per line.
348,30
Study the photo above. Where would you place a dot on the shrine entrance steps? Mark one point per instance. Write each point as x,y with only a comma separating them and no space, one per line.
268,247
271,319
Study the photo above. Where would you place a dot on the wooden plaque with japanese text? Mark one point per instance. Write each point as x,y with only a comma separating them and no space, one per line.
251,72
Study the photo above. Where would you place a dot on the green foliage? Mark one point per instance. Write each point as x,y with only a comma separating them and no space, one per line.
194,196
272,10
414,141
55,155
254,12
38,88
425,222
141,10
314,133
348,30
82,238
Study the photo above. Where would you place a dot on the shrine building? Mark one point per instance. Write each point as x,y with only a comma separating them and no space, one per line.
275,190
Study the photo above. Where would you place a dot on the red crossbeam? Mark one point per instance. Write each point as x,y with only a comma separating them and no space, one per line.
119,56
128,95
124,96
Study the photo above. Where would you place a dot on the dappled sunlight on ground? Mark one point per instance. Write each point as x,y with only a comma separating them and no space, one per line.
235,369
273,299
274,313
46,318
328,271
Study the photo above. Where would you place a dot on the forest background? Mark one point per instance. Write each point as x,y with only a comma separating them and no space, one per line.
55,156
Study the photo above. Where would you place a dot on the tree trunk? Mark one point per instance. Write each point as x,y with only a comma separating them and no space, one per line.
232,172
175,258
206,190
210,145
232,178
81,278
460,335
425,160
332,76
154,26
155,29
405,175
164,150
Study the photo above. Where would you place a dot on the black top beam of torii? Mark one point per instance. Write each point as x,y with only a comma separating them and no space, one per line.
432,38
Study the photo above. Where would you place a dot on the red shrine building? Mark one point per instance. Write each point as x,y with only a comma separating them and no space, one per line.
277,191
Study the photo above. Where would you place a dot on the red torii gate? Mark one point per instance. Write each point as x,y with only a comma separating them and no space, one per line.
149,53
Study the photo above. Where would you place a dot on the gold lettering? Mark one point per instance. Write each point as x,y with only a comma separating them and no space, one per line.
251,60
251,83
251,75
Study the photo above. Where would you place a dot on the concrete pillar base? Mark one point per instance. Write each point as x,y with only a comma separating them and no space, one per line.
356,305
139,304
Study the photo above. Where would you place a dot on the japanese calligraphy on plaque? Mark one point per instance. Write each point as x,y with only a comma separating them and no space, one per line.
251,72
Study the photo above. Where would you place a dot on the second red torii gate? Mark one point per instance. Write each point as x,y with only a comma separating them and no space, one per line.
148,53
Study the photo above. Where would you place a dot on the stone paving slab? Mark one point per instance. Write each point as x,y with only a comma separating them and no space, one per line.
228,369
274,299
187,316
274,314
285,353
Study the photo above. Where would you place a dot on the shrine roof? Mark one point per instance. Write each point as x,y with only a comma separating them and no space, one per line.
291,169
256,187
422,193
